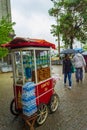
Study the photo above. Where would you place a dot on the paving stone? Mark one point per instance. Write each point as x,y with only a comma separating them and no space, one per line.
71,114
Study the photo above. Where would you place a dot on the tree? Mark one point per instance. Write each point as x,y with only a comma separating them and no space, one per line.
85,47
55,28
6,30
72,20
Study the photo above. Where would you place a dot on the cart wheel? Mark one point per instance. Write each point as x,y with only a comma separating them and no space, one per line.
12,108
42,114
54,103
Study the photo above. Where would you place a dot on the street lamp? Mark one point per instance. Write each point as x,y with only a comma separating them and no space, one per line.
58,37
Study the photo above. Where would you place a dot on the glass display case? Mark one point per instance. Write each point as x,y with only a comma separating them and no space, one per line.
31,65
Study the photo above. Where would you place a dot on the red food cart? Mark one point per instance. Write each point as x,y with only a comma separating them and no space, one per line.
33,83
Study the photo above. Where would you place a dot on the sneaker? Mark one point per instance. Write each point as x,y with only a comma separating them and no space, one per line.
81,80
70,87
77,81
64,85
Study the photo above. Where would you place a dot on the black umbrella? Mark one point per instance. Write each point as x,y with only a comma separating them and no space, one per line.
68,51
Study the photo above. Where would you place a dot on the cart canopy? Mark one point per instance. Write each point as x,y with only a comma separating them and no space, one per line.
20,42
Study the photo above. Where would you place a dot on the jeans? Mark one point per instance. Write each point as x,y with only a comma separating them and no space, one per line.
69,78
79,74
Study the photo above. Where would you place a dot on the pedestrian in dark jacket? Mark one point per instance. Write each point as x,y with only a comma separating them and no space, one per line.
67,70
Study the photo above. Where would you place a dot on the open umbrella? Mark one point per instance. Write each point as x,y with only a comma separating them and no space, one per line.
80,50
68,51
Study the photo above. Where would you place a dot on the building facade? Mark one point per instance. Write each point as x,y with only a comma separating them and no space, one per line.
5,9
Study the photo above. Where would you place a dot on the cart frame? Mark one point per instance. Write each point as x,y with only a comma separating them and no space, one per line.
46,97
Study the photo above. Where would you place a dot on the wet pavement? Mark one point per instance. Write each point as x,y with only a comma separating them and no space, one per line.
71,114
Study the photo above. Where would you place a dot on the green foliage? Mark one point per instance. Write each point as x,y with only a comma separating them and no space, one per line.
3,52
71,18
85,47
5,31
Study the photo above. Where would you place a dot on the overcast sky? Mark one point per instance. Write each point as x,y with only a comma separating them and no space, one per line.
32,19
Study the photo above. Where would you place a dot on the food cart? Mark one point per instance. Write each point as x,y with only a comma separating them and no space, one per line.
33,83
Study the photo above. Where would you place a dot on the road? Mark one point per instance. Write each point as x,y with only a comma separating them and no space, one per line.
71,114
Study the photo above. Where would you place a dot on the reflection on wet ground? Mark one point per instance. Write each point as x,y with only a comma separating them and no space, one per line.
72,112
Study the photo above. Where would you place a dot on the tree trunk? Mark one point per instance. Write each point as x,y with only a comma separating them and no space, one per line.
71,44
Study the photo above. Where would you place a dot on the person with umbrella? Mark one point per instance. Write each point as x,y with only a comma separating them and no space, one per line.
79,63
67,70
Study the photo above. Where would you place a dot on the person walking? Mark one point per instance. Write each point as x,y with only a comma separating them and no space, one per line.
79,63
67,70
